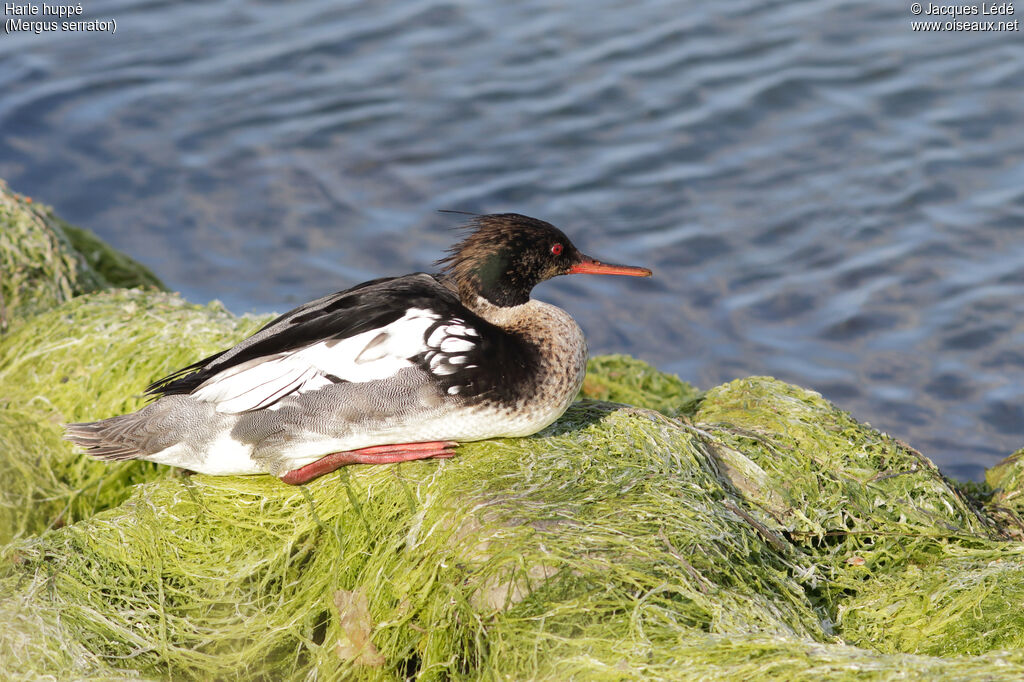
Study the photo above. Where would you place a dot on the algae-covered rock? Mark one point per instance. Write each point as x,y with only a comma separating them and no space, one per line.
1006,480
44,261
750,532
966,603
622,379
606,529
910,564
606,546
116,268
87,359
39,267
1002,494
820,473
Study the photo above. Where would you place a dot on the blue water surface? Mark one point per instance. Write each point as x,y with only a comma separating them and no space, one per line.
825,194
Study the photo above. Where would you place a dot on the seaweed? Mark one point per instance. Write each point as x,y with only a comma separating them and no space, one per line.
44,261
607,529
623,379
88,359
752,531
116,269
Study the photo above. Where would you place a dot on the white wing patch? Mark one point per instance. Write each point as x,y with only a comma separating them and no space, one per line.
374,354
449,342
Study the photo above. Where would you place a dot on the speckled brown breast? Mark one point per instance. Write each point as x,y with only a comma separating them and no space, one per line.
544,390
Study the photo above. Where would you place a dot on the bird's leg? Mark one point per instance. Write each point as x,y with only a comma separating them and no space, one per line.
378,454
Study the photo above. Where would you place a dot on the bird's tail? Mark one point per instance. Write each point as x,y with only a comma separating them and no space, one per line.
108,439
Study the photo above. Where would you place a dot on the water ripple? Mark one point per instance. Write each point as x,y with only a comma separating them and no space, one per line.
824,195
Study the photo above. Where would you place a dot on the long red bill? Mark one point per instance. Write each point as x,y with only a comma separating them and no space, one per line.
589,266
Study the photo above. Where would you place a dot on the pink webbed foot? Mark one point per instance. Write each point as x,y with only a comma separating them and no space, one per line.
378,454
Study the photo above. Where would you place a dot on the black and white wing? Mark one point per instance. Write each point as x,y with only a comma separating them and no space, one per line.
367,333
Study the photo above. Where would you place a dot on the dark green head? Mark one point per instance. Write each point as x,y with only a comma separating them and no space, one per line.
505,255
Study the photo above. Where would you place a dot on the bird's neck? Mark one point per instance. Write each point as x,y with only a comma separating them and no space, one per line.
547,327
504,316
558,341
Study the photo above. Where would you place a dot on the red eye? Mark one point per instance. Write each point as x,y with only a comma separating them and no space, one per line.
556,249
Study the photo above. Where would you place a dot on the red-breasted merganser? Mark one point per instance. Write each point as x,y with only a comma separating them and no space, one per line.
390,370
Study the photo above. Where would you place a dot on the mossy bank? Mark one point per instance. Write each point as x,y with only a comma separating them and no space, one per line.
752,531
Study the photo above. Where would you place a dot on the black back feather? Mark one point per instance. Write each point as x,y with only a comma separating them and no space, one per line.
369,306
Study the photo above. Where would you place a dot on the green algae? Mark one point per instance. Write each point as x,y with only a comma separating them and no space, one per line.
750,532
875,514
492,563
116,269
44,261
823,474
609,546
88,359
1006,481
965,604
622,379
40,267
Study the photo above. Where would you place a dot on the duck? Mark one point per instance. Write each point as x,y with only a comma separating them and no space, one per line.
391,370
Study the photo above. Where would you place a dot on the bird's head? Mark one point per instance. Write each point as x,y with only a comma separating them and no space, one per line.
505,255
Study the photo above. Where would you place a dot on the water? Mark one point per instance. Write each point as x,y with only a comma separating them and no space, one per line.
825,195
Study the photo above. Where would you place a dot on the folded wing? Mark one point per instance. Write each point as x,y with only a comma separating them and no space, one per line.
364,334
372,355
